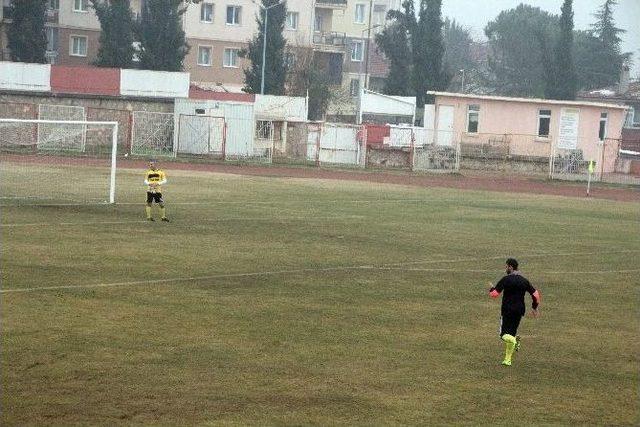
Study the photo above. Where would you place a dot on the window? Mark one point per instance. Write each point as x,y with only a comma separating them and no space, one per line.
354,87
379,17
544,122
52,39
632,120
292,20
137,47
80,5
230,57
360,8
628,120
204,56
233,15
356,50
78,46
317,25
602,131
206,12
473,114
53,4
290,60
264,129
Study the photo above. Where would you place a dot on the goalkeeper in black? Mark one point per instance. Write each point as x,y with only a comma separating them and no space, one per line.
154,179
513,286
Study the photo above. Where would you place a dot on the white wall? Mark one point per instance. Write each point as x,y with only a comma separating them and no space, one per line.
287,108
22,76
375,103
154,84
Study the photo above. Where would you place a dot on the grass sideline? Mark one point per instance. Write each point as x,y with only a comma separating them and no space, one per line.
352,346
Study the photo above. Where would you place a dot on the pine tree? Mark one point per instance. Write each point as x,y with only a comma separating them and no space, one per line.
608,34
516,60
26,34
275,68
422,47
116,39
163,45
394,44
432,56
565,85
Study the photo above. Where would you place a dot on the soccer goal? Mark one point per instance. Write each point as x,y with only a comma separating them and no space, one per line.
57,161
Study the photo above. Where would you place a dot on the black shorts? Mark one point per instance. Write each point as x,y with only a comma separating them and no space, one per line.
154,197
509,324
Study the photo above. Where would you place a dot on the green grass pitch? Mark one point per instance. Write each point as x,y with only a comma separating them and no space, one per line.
288,301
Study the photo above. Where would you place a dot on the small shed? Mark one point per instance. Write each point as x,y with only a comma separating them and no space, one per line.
528,127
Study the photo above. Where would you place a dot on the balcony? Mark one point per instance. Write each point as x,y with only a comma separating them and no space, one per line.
51,56
6,12
331,4
52,16
330,41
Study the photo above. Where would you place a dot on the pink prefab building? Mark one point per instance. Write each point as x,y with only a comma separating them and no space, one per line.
530,127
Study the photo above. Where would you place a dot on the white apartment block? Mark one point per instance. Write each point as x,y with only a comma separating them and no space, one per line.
338,32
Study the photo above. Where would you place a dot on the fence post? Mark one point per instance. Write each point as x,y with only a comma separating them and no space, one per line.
602,155
412,147
224,141
318,144
552,155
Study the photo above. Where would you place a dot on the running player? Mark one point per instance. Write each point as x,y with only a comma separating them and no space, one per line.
514,286
154,179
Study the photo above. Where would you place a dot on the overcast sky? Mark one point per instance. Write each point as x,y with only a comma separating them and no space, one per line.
474,14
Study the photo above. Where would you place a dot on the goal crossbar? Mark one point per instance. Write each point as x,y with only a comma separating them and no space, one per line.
114,142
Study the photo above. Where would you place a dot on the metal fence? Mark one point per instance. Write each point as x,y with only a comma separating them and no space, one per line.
243,139
152,134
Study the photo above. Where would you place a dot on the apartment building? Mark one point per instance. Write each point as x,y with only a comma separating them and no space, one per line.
339,33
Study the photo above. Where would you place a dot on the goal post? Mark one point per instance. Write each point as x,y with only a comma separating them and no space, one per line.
58,160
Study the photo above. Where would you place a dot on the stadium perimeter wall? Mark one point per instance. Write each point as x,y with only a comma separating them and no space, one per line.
96,108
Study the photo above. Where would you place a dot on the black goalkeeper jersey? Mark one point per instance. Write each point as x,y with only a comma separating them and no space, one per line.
513,286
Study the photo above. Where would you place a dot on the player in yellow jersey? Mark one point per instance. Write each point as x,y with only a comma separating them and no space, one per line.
154,179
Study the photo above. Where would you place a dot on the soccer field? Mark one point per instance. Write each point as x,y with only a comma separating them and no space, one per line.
290,301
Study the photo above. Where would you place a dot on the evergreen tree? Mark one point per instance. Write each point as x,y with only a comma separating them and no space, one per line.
430,59
163,45
116,39
394,44
422,44
457,52
516,58
275,68
565,83
607,33
26,34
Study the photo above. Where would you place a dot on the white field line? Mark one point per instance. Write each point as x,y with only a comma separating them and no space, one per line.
524,256
256,219
243,202
541,273
295,271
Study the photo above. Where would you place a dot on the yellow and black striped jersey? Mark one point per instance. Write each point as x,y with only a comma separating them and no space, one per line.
154,179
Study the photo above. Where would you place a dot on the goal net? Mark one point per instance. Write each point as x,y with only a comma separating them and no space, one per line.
57,162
